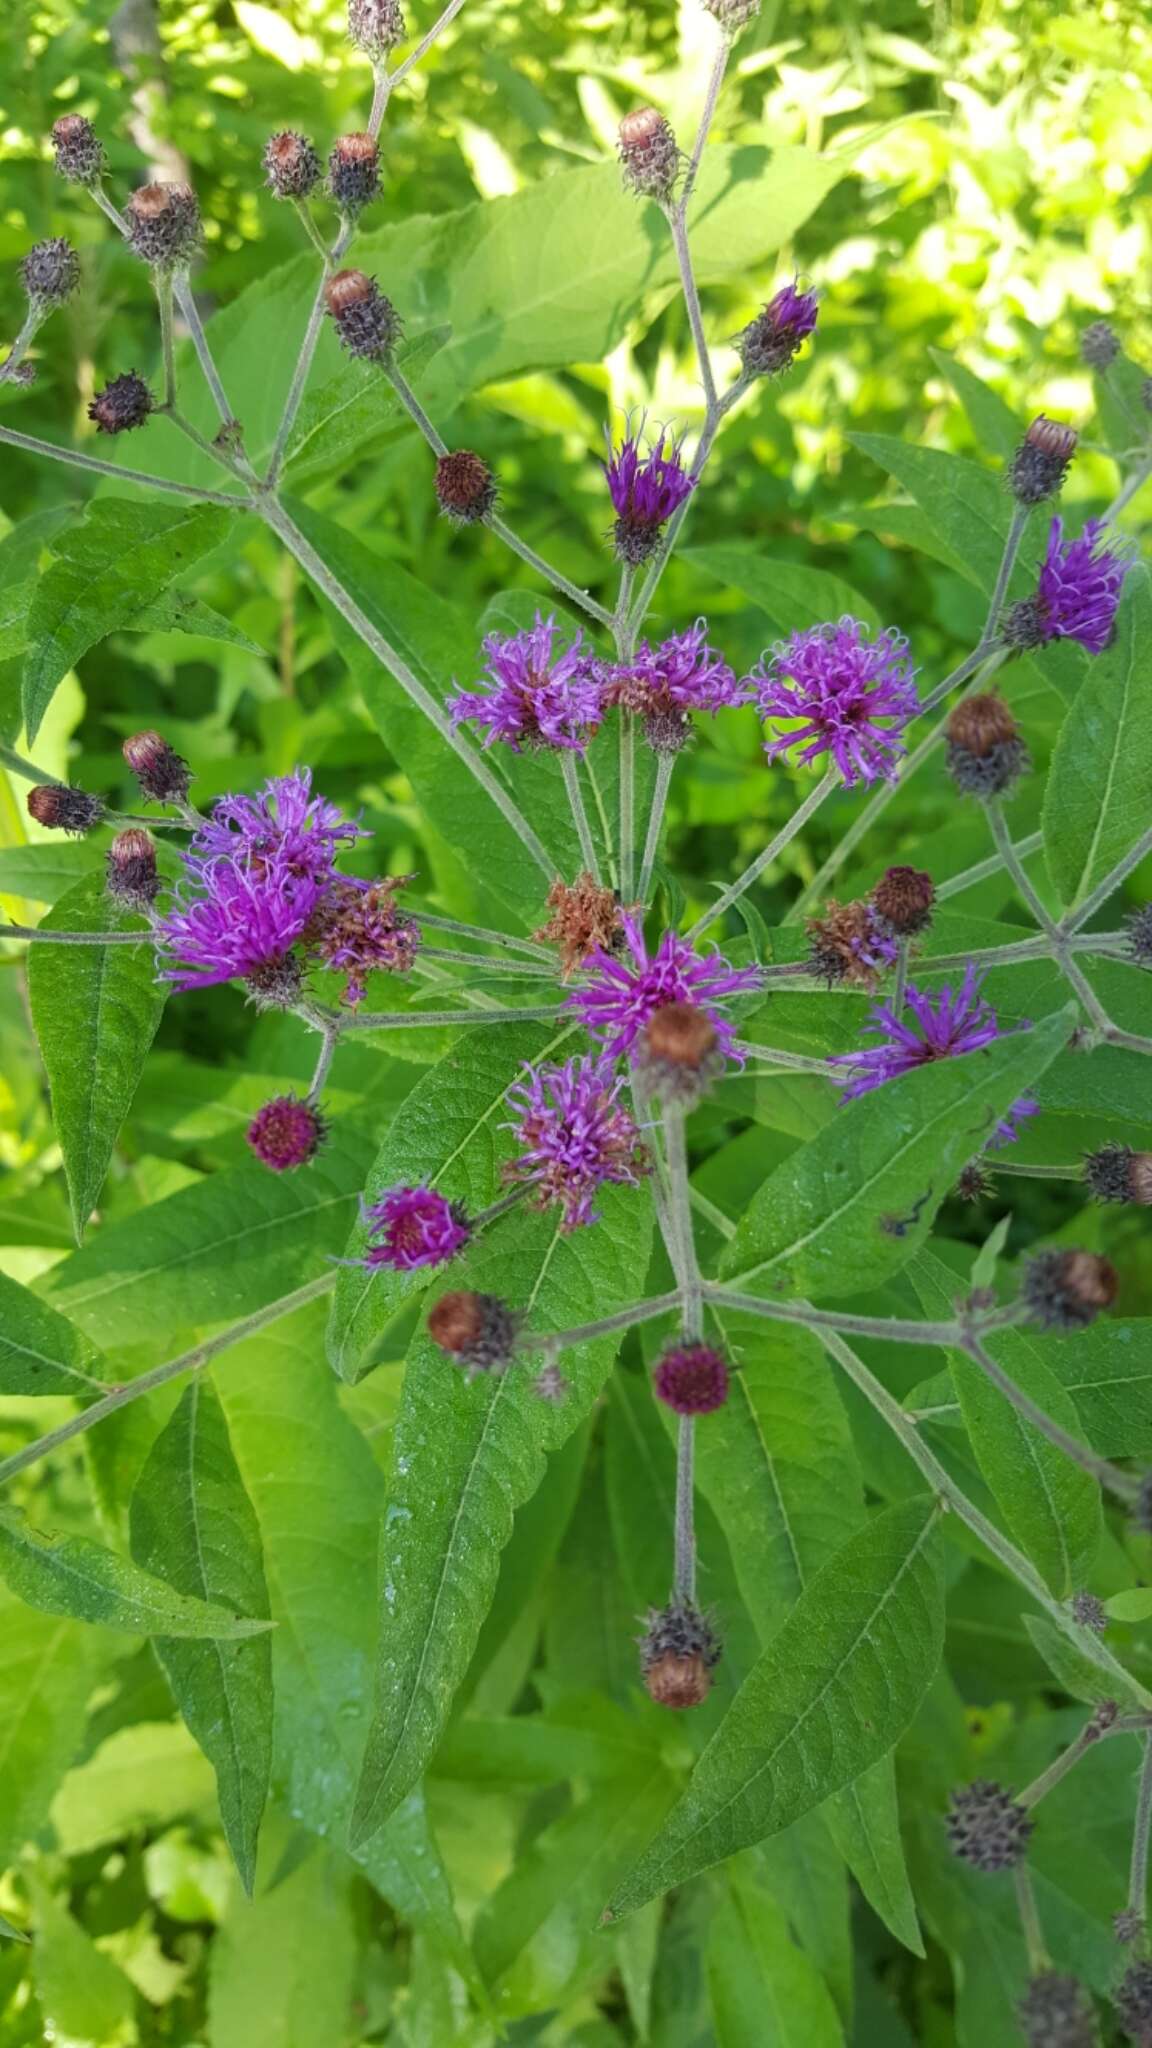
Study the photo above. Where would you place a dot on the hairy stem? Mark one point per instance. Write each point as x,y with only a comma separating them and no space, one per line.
33,321
481,932
182,288
582,598
1079,914
665,763
1106,1474
584,1333
985,869
783,838
894,1329
628,804
1142,1831
24,931
1038,1958
31,446
570,769
416,1020
425,44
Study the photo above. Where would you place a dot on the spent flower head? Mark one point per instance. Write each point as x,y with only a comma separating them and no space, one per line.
840,691
358,930
538,691
576,1136
623,990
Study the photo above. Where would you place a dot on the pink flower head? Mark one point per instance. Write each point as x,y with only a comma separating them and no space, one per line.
943,1026
1077,593
236,922
664,684
623,990
416,1227
286,1133
535,694
842,693
692,1379
284,824
576,1136
646,488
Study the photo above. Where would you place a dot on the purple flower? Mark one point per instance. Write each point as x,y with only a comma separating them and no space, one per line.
851,694
577,1136
535,695
645,489
416,1227
664,684
769,343
621,994
305,834
237,922
944,1026
1077,593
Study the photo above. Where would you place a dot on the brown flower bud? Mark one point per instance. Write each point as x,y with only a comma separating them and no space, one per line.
1117,1173
477,1330
164,225
79,152
985,751
51,272
132,877
376,26
903,900
465,487
1067,1290
162,773
354,172
678,1652
366,323
63,808
291,165
1041,462
123,404
649,154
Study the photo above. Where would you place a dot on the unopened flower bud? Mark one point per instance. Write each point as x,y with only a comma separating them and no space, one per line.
51,272
678,1652
123,404
986,754
987,1828
79,151
691,1379
354,172
1089,1612
1133,2002
1068,1290
465,487
477,1330
1057,2012
63,808
376,26
286,1133
1117,1173
164,225
903,900
1040,463
733,15
1099,347
163,774
770,342
366,323
974,1182
291,165
649,153
131,870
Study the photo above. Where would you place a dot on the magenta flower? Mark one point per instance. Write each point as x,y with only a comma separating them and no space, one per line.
305,834
236,923
535,694
943,1026
1077,593
577,1137
645,489
621,993
664,684
851,697
416,1227
769,343
286,1133
691,1379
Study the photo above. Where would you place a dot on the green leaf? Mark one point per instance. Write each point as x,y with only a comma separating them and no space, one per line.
144,1776
282,1968
848,1210
468,1454
1076,1672
215,1251
192,1525
832,1693
75,1577
1133,1604
449,1135
790,594
178,611
41,873
762,1987
85,2000
96,1010
993,421
120,558
41,1352
355,411
1096,801
865,1823
47,1670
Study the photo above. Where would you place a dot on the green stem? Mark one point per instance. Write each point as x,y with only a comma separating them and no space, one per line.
586,1333
893,1329
984,870
752,873
1106,1474
570,768
31,446
628,804
1038,1958
665,763
1142,1831
33,321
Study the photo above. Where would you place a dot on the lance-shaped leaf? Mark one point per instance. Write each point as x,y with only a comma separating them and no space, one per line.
762,1987
41,1352
75,1577
832,1693
468,1454
193,1524
96,1010
1096,801
48,1666
847,1211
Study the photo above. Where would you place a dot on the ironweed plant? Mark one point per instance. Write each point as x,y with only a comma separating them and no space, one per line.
802,1477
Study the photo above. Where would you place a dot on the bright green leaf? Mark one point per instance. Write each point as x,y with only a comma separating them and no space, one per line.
41,1352
763,1988
75,1577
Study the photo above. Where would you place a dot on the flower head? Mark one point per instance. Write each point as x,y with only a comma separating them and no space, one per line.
478,1331
366,322
987,1828
291,165
850,945
645,489
284,827
536,694
236,921
162,773
770,342
1041,462
577,1136
649,154
852,696
359,931
132,878
1057,2012
623,990
664,684
416,1227
1133,2000
1118,1173
941,1026
678,1653
1077,593
63,808
124,404
286,1133
692,1379
585,916
1066,1290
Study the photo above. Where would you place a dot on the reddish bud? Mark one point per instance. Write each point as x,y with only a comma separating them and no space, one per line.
691,1379
63,808
164,224
354,172
465,487
79,152
162,773
123,404
477,1330
131,870
376,26
649,154
291,165
286,1133
1040,463
903,899
367,323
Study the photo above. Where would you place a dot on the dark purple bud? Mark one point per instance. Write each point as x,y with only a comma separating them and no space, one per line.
691,1379
1133,2002
354,172
1099,347
903,900
164,225
64,809
678,1652
131,870
649,153
1041,462
975,1182
163,774
123,404
376,26
987,1828
770,342
286,1133
291,165
1057,2012
51,272
646,487
986,754
1068,1290
733,15
366,323
79,152
1088,1612
478,1331
1139,934
465,487
1118,1174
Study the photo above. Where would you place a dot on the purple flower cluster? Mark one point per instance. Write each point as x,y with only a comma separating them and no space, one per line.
415,1227
943,1026
841,692
576,1135
1077,593
646,488
621,993
536,694
665,684
284,824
